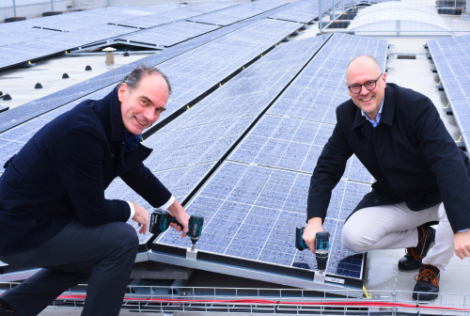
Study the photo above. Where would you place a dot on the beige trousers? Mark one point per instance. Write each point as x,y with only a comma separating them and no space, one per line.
394,226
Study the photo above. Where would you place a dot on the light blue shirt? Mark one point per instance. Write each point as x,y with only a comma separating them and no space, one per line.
375,123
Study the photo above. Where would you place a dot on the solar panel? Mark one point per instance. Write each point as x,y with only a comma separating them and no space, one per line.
291,144
167,35
90,19
320,88
241,12
175,15
304,12
250,213
180,181
451,59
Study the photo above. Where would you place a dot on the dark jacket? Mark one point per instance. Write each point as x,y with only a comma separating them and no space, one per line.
410,154
62,172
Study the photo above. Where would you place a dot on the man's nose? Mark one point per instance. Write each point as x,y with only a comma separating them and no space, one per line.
363,91
149,114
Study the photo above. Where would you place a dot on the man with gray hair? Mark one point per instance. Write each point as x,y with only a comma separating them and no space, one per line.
53,212
420,176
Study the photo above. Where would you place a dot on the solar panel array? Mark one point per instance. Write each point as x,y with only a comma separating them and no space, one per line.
190,74
84,28
241,12
452,60
38,107
172,16
90,18
167,35
180,178
305,12
59,42
257,197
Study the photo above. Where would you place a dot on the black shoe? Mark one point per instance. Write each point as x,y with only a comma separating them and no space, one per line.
414,256
427,283
6,312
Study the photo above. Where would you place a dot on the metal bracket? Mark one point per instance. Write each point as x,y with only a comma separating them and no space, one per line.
440,86
190,254
319,277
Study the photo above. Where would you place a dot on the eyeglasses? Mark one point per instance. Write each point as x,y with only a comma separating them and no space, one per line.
369,85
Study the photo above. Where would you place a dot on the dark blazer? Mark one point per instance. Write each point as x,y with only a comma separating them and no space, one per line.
410,154
62,172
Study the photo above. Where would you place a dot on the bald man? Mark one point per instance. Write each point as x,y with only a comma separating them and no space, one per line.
420,176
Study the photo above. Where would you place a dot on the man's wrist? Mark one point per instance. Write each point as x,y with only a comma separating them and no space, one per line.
463,230
315,221
168,203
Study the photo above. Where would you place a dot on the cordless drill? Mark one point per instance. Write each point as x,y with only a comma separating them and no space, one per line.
161,220
322,246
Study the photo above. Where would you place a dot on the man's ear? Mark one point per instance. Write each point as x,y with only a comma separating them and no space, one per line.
122,91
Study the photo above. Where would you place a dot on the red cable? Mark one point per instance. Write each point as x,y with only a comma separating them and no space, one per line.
266,302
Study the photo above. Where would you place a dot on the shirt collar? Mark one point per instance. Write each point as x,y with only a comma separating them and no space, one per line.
375,123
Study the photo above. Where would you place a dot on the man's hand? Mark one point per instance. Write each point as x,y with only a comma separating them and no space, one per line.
313,227
141,217
178,212
462,244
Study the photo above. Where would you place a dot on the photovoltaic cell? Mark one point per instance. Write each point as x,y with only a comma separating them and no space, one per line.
167,35
242,201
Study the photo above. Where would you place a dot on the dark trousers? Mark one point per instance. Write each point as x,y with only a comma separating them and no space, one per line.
104,255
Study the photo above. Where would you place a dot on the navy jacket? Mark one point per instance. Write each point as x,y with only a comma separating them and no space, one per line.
410,154
62,172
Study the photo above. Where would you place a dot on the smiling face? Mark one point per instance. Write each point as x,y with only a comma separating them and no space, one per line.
360,71
142,106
